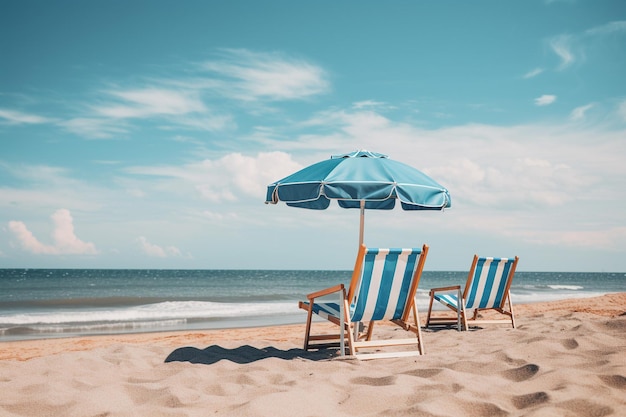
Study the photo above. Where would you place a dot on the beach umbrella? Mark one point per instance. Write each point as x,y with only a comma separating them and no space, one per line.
360,179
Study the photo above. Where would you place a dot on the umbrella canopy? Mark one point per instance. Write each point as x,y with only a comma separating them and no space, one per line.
361,179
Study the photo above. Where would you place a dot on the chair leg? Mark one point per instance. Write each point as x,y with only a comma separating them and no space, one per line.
511,309
458,310
342,327
308,326
418,330
463,314
430,308
370,330
346,326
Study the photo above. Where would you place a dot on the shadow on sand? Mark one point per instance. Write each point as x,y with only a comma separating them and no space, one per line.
244,354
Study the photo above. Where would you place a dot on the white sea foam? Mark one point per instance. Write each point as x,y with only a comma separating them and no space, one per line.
566,287
170,310
528,298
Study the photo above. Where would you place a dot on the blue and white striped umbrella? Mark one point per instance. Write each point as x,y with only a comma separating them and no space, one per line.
361,179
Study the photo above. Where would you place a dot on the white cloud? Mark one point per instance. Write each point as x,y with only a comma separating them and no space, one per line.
182,108
511,184
253,75
151,102
564,45
226,179
151,249
36,173
561,45
520,183
16,117
545,100
609,28
47,187
94,128
367,104
239,74
527,165
533,73
517,183
208,122
65,241
621,110
579,112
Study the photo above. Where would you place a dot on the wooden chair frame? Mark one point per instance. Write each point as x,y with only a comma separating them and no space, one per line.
461,319
353,331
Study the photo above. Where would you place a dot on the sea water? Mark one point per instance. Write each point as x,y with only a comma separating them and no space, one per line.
45,303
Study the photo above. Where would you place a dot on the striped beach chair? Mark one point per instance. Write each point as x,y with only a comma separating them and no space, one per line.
487,288
383,286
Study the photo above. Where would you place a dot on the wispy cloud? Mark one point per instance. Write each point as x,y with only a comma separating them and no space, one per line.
183,109
570,48
579,112
95,128
533,73
247,75
612,27
561,45
150,102
225,179
189,101
36,173
367,104
151,249
65,241
16,117
621,110
207,122
545,100
47,187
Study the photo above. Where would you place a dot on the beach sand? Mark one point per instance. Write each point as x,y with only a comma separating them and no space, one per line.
565,358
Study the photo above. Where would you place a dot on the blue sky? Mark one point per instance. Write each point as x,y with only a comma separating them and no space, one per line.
143,134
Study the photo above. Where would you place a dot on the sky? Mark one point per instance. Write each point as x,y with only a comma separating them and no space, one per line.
143,134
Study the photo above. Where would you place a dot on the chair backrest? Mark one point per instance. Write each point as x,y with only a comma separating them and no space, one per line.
384,283
488,282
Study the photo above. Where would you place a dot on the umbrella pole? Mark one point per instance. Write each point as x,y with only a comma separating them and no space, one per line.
362,226
357,325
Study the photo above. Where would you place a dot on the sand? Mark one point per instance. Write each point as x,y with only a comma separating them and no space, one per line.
565,358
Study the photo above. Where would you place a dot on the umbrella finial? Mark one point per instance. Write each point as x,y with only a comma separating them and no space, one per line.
361,153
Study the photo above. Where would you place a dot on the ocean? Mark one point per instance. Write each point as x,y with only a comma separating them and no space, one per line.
50,303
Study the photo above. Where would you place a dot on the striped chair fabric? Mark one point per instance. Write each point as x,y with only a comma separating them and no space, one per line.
383,290
488,285
383,287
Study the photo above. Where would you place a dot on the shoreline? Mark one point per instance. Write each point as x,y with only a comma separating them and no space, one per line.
109,302
609,305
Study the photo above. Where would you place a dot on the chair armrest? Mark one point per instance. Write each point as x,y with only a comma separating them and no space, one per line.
320,293
440,289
